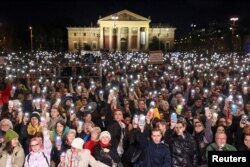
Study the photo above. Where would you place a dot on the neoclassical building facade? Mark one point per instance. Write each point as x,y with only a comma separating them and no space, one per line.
122,31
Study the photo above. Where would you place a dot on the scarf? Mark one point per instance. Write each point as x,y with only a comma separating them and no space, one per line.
33,130
104,145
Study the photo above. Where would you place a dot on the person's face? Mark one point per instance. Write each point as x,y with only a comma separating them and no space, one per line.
220,129
75,150
156,136
88,118
5,126
161,127
54,113
247,141
188,114
223,121
34,121
35,147
118,116
141,105
59,128
84,102
248,107
70,137
14,142
198,103
179,129
221,139
94,136
198,128
127,120
105,139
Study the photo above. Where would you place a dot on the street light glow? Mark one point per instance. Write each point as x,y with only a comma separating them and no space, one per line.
234,19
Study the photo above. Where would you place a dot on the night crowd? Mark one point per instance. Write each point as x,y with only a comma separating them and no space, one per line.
124,110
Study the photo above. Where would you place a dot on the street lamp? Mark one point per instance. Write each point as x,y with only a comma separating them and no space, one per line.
31,39
233,20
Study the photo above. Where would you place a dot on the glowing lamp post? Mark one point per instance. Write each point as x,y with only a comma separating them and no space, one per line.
31,39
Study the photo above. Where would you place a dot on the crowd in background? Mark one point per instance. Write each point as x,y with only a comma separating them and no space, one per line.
130,113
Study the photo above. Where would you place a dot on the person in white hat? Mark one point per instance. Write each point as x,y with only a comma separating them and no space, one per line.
79,157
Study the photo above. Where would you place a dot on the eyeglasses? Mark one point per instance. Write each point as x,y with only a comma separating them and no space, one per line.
33,145
5,125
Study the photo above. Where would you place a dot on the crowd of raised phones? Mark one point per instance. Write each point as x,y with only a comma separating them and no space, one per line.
133,114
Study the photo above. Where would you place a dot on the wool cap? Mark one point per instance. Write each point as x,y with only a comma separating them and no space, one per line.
9,135
36,114
77,143
105,133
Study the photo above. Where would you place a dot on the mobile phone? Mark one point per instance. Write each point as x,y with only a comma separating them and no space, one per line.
174,117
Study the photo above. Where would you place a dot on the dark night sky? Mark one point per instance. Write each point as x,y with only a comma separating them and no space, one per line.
179,13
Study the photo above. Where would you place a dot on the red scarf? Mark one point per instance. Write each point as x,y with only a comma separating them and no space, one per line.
104,145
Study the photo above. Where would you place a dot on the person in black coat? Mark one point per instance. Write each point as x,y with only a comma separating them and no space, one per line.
117,131
155,153
104,151
182,146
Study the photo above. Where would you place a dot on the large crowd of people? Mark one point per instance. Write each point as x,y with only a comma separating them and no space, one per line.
122,110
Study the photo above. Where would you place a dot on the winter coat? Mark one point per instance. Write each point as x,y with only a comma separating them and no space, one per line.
213,147
183,150
17,157
41,158
83,159
156,155
107,158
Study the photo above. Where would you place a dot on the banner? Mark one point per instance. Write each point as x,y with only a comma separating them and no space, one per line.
156,57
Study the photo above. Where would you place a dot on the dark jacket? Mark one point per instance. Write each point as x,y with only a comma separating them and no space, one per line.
104,157
156,155
183,151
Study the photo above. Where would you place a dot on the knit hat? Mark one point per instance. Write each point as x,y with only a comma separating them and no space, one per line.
105,133
77,143
35,114
10,134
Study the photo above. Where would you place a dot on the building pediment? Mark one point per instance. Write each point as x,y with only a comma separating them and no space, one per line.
124,15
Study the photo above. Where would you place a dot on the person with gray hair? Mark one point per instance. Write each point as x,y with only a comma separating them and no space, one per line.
6,124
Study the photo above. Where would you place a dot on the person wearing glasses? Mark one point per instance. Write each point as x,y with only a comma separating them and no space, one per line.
182,145
40,150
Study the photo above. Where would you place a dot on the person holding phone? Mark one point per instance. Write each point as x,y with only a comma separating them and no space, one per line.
182,146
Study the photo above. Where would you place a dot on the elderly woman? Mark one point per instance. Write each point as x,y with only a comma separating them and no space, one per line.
12,154
5,125
40,149
79,157
104,151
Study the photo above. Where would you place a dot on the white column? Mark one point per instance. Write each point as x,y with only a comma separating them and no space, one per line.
118,38
101,37
110,38
138,38
146,38
129,38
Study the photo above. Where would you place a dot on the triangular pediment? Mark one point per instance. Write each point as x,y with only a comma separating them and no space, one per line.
124,15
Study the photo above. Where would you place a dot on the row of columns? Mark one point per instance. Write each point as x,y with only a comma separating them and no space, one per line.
118,32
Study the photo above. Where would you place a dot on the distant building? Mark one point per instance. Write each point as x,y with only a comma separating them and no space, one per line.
122,31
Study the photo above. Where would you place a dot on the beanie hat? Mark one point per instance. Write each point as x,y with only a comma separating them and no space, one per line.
35,114
9,135
77,143
105,133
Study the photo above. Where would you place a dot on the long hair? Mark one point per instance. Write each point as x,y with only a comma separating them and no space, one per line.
9,148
